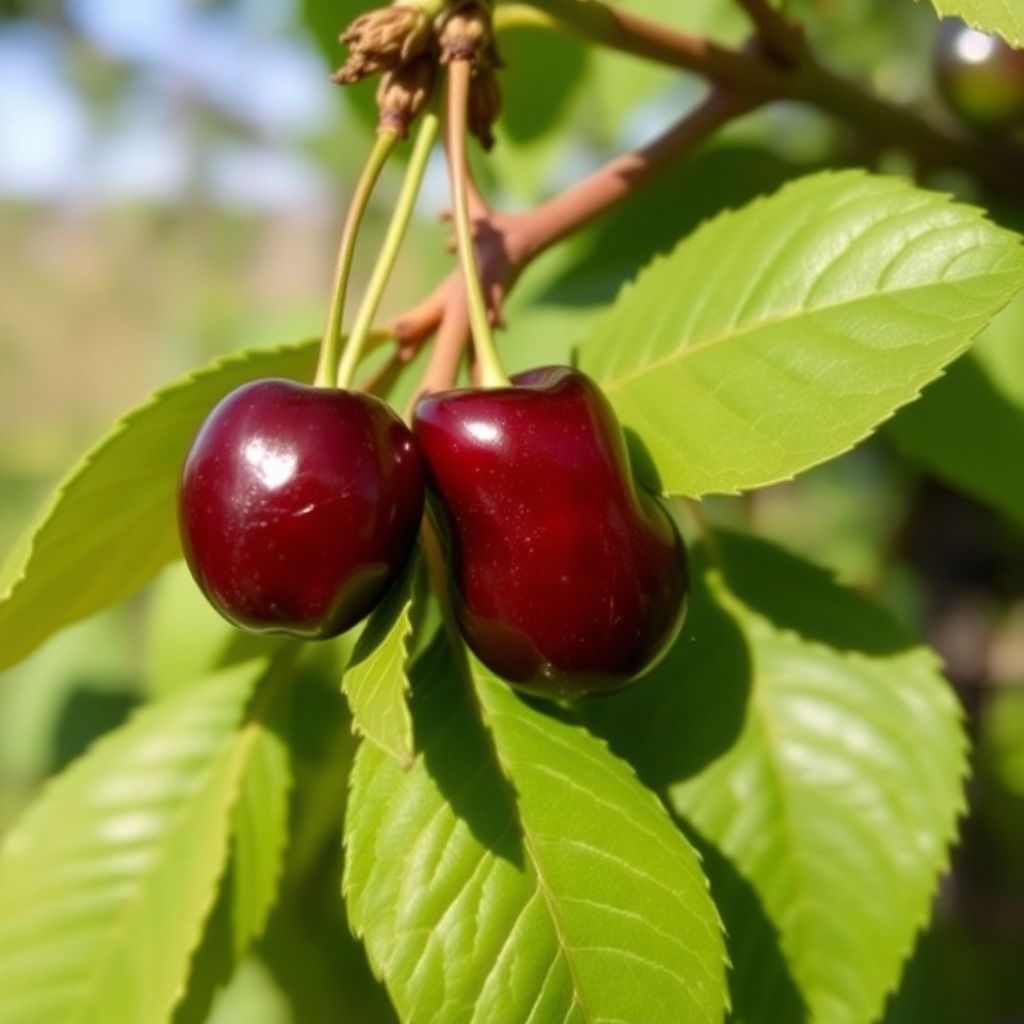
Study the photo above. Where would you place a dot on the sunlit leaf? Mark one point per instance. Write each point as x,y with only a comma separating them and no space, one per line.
106,882
112,523
778,336
518,871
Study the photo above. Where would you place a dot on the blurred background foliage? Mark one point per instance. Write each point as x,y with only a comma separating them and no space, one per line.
172,178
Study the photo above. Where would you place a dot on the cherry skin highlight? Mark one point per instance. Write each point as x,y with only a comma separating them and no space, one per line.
299,506
980,76
568,579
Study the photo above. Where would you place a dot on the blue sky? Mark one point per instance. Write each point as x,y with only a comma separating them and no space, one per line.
247,62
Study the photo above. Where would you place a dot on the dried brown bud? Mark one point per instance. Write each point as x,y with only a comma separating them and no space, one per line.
404,93
465,35
382,40
484,105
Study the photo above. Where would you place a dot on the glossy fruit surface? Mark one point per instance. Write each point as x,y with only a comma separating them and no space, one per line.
981,76
299,506
568,578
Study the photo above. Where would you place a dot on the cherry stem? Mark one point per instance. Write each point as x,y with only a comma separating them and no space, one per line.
331,343
492,374
362,325
512,241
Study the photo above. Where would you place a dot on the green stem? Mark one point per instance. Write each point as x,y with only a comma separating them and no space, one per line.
382,147
491,372
358,338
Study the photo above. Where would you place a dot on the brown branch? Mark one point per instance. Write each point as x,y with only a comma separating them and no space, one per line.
777,65
622,30
506,243
451,341
1000,167
558,217
758,72
783,38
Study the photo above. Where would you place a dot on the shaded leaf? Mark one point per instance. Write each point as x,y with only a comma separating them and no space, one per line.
112,523
314,956
259,834
820,756
968,428
542,70
186,640
520,872
778,336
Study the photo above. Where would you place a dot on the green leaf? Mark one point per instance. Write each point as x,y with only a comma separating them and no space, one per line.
518,871
820,757
251,887
322,746
1005,17
1003,740
317,961
778,336
376,682
186,640
112,523
542,70
107,880
260,834
968,428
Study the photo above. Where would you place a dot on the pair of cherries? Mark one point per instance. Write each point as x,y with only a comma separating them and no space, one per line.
299,507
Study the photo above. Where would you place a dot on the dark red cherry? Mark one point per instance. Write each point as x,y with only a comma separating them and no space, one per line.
299,506
981,76
568,579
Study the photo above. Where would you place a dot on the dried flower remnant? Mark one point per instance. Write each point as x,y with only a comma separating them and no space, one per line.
382,40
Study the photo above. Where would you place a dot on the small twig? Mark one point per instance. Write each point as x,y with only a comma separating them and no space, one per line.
631,33
778,66
615,181
506,243
783,38
759,74
449,345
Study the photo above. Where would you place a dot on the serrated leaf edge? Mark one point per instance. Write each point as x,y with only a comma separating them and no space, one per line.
951,835
67,485
829,176
469,680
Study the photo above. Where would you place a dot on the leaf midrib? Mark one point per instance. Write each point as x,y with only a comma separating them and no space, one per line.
542,884
612,384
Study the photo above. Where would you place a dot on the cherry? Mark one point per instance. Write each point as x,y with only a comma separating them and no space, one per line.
980,75
299,506
568,579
